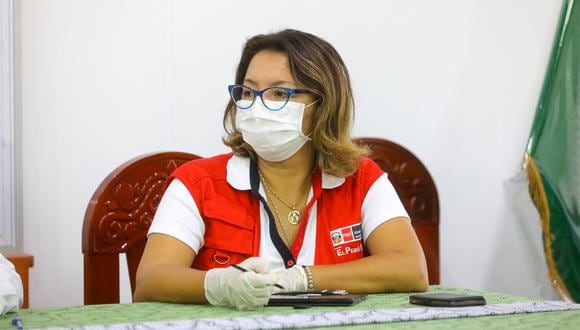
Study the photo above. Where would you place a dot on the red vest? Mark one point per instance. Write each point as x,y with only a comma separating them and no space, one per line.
232,217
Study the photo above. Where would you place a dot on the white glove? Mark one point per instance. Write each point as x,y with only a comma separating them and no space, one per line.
243,290
292,279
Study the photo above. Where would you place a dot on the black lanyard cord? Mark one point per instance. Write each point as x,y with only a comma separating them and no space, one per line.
283,250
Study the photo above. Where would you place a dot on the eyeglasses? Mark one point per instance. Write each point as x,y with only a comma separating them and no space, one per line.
273,98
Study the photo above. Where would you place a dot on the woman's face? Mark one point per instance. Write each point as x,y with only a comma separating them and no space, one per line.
270,68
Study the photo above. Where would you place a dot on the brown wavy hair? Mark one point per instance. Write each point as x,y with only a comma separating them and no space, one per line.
317,66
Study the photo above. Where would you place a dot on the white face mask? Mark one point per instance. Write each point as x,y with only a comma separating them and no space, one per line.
274,135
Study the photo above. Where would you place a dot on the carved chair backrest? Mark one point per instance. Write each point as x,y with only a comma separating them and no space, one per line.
417,191
117,219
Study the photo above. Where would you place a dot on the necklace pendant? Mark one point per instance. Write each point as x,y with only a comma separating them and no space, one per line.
294,216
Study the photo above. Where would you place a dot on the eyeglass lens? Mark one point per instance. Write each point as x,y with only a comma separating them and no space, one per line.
274,98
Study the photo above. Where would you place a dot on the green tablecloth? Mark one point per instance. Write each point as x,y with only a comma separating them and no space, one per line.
147,312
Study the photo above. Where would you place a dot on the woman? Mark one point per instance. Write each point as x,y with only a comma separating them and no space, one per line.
296,205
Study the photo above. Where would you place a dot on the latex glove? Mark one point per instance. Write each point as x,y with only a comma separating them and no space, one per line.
242,290
292,279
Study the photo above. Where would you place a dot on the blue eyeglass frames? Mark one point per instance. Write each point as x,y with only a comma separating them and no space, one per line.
273,98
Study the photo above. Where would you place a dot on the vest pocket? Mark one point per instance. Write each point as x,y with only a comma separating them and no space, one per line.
229,236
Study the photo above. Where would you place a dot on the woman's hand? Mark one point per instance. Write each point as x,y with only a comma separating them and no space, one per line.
242,290
165,274
291,279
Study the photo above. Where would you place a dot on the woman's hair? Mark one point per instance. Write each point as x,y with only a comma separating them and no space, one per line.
316,65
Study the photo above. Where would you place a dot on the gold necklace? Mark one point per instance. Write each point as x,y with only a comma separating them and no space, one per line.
279,219
294,215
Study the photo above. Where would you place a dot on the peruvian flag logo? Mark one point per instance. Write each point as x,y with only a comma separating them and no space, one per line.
346,234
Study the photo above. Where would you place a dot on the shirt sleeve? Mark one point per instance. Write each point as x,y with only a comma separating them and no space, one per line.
178,216
11,292
381,204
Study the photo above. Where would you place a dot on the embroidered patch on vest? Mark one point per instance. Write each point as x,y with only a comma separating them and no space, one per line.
346,234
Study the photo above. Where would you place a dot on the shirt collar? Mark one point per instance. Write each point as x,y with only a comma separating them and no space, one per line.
238,175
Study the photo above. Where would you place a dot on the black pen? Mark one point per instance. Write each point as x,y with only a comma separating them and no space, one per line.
242,269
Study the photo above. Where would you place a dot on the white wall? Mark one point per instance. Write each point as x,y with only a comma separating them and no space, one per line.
455,81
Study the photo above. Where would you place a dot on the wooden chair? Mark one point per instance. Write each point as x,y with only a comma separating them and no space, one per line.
117,219
417,191
121,209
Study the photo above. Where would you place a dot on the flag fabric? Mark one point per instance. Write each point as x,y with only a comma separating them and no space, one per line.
553,156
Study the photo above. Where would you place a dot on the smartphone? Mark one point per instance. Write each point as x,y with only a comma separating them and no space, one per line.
315,299
442,299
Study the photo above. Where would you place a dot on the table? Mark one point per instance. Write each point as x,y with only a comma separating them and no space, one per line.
138,313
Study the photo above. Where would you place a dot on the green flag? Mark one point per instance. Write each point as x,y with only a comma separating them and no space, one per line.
553,156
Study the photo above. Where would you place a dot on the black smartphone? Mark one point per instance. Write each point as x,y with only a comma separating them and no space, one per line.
442,299
315,298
